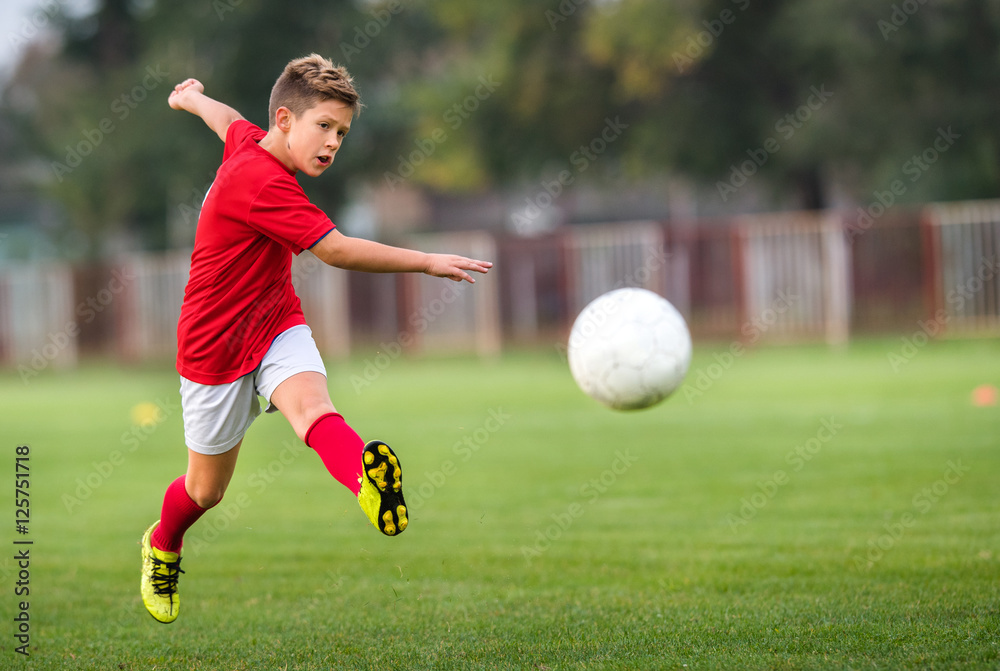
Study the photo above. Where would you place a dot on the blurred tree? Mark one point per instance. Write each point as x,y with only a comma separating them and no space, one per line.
815,102
522,88
753,97
121,162
808,99
888,79
942,70
65,109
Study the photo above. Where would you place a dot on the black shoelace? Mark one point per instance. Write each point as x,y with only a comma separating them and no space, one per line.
165,575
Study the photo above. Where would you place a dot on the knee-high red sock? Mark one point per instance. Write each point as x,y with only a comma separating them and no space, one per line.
340,448
178,514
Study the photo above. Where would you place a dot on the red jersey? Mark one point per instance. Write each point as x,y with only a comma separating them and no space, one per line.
239,297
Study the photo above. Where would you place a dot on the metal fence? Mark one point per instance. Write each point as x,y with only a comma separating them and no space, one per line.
778,278
964,255
39,323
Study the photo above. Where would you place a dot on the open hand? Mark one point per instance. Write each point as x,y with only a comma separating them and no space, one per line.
454,267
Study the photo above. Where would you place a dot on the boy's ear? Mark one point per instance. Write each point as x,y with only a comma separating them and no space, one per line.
283,119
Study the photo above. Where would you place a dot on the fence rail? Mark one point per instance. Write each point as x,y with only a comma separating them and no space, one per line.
964,244
39,326
782,277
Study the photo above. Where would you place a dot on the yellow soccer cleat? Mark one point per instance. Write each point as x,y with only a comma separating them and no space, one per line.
381,495
160,571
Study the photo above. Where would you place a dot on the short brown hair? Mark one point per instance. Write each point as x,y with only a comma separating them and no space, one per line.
308,81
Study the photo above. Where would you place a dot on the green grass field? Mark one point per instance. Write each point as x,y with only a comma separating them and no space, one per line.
807,509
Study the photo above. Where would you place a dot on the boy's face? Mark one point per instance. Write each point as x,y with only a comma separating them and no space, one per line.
312,139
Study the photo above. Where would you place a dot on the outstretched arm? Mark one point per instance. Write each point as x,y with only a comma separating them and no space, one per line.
337,249
190,96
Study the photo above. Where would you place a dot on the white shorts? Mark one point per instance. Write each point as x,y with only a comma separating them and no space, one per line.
217,416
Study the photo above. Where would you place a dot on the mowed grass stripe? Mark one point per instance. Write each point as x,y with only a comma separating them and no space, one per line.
567,536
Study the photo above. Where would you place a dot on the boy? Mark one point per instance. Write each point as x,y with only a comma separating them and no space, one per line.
241,331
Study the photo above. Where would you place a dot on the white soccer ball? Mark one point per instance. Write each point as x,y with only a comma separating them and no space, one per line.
629,349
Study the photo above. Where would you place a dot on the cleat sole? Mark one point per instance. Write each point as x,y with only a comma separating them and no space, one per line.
381,495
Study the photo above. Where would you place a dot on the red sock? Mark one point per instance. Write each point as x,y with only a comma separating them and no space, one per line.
339,447
178,514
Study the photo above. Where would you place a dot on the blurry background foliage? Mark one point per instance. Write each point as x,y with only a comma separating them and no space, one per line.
699,83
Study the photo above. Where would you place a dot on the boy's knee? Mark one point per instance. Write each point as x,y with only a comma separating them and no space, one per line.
206,497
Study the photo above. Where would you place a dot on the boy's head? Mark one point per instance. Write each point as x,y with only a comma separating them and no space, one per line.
309,81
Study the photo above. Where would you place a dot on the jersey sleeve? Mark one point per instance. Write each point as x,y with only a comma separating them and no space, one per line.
239,132
282,212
